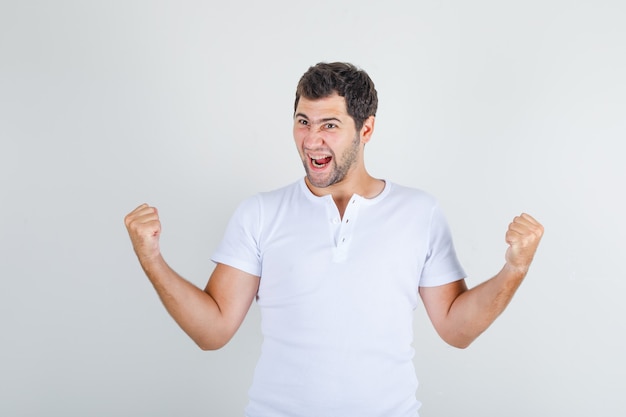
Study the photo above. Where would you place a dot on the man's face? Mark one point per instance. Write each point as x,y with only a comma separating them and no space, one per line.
327,140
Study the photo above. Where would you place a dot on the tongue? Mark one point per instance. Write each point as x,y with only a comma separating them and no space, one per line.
323,160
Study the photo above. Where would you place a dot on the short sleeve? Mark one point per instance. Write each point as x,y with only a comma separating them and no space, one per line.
442,265
239,247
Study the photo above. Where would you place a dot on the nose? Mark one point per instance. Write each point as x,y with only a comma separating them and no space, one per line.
313,138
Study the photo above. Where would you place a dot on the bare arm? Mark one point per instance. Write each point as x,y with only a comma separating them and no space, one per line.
210,317
460,315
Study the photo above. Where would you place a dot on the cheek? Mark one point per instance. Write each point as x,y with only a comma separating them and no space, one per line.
298,137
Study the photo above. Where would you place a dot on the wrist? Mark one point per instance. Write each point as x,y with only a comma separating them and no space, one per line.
151,262
516,269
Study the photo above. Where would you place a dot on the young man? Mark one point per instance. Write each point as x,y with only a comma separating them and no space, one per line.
336,261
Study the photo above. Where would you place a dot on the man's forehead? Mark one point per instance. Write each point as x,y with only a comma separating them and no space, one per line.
334,105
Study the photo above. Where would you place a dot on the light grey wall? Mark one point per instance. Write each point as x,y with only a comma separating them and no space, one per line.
495,107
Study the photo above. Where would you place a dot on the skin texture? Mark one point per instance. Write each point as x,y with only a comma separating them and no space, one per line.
210,317
322,130
461,315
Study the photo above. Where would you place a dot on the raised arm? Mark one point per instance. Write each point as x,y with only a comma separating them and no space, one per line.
210,317
460,315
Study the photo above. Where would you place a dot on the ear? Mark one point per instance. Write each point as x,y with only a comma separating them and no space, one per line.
368,129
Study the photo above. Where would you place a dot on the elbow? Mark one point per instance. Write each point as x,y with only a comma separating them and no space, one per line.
209,346
459,340
459,344
212,343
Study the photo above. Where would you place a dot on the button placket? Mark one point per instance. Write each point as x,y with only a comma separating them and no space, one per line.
346,229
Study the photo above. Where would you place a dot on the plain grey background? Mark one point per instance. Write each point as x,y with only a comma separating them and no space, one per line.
494,107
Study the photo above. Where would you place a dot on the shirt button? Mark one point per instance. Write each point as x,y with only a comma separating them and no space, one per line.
336,220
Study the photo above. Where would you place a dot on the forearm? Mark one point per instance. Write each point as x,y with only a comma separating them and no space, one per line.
474,310
195,311
461,315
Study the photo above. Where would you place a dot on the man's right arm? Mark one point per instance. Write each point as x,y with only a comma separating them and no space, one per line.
210,317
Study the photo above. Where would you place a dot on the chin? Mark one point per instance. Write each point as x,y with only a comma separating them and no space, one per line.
317,183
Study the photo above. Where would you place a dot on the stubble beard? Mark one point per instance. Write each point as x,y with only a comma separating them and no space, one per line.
339,170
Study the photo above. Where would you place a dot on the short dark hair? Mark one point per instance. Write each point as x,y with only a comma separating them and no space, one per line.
348,81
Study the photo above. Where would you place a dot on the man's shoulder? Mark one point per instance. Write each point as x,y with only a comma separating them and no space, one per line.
289,194
413,194
279,195
290,188
258,206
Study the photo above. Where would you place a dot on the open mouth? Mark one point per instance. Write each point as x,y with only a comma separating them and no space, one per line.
321,161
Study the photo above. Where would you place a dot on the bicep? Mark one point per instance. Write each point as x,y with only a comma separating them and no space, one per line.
438,301
233,291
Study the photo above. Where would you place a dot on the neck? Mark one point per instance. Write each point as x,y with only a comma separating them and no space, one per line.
364,185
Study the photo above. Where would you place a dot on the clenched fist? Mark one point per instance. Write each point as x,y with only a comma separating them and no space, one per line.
523,237
144,229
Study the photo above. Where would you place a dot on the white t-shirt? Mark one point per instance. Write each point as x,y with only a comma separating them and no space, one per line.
337,296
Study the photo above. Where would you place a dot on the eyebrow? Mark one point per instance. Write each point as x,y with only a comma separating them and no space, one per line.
323,120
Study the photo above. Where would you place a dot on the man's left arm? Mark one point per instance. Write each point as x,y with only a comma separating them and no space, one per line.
460,314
